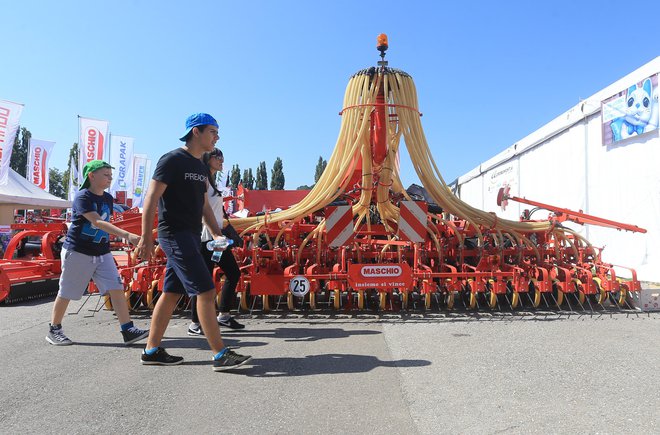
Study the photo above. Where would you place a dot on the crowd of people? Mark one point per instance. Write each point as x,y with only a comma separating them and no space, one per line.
190,214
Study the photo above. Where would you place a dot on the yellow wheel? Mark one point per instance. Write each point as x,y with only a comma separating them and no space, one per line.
427,301
151,294
472,301
515,299
337,301
600,296
382,300
290,301
557,294
534,294
266,303
107,302
492,300
621,297
404,300
132,299
449,300
312,300
360,299
244,302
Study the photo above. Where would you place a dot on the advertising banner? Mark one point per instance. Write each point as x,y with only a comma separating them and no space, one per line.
631,112
380,276
121,158
139,179
37,165
73,177
10,115
92,142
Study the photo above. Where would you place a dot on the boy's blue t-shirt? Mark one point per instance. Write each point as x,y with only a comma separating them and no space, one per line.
82,236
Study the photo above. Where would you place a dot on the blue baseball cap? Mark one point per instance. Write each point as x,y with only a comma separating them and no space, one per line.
197,119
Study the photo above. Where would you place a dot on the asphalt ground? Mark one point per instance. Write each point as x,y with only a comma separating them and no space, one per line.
324,372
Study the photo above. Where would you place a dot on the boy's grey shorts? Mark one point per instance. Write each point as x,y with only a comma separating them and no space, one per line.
78,269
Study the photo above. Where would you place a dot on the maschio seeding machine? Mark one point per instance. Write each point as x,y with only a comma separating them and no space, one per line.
359,240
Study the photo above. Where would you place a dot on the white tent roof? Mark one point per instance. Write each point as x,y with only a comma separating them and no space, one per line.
19,193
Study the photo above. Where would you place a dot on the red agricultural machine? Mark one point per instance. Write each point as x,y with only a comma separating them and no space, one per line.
30,267
358,240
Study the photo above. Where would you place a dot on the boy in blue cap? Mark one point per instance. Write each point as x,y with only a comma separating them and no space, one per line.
179,187
86,255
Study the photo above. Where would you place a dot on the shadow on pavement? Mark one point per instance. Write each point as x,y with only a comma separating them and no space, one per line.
298,334
334,363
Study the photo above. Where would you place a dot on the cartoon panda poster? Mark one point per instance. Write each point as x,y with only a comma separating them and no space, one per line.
631,112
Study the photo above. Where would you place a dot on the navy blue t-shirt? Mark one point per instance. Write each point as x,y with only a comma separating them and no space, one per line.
82,236
181,206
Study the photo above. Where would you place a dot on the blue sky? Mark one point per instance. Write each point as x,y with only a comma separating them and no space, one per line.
274,72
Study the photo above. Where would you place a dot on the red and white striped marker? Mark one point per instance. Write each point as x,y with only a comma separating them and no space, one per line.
339,225
412,220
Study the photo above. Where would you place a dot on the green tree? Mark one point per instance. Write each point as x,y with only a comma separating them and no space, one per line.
261,180
19,155
304,187
277,175
320,167
73,155
248,179
234,176
56,187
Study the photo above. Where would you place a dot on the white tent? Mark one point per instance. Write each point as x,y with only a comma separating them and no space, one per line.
565,163
19,193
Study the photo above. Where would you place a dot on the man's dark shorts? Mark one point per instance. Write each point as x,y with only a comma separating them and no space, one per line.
186,271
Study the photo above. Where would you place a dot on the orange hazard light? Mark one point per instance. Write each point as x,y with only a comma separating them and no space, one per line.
382,40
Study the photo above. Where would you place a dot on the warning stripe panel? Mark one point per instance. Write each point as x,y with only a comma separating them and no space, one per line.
339,225
412,221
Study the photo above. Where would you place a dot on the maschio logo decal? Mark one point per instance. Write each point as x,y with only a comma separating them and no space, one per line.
380,271
94,145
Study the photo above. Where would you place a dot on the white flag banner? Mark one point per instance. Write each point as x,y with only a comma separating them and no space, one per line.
10,115
121,158
73,175
37,166
147,178
92,142
139,178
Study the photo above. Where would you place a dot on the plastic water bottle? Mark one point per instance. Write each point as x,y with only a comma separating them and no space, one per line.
218,247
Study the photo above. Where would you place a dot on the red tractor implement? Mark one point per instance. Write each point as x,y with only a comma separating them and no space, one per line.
359,240
30,267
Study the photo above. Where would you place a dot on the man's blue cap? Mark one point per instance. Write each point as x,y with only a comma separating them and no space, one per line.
197,119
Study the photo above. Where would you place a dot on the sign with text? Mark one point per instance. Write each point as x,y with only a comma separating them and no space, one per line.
121,158
92,142
10,115
37,167
380,276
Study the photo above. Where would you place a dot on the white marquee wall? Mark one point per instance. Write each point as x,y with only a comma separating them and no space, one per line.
565,164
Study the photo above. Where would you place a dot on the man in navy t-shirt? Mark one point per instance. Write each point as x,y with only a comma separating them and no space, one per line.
179,186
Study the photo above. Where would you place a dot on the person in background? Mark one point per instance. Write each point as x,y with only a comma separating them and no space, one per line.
214,161
86,255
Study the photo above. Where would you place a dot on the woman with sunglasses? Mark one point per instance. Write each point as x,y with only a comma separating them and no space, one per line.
214,160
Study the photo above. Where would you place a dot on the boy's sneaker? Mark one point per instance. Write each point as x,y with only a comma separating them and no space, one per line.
230,323
133,334
160,358
195,330
57,337
230,360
